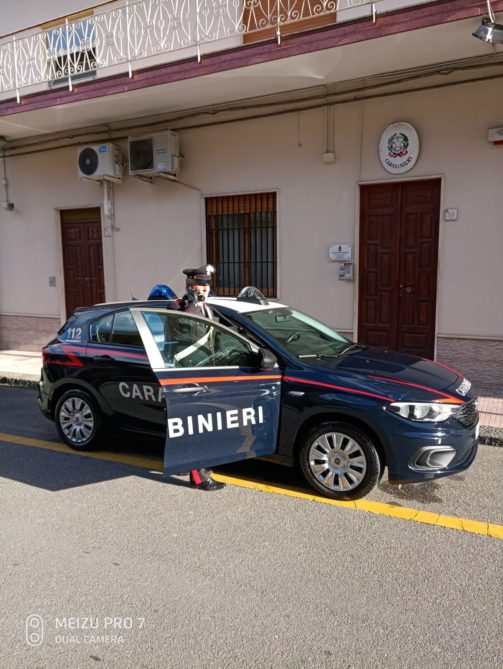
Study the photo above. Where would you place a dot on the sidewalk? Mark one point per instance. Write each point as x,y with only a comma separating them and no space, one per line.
23,368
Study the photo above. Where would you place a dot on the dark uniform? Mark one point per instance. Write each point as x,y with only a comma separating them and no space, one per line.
195,303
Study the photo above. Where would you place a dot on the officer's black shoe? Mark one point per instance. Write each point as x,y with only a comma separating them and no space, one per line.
210,484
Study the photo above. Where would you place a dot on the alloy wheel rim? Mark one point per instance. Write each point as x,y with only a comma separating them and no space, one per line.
76,420
337,461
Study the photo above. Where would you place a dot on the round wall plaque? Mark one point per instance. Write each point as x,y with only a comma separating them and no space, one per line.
399,147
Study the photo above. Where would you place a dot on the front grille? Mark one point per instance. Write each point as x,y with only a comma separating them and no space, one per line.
467,414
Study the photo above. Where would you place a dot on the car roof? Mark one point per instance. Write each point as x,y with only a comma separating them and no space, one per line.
242,306
108,306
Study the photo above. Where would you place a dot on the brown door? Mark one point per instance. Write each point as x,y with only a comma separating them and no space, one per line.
398,265
82,258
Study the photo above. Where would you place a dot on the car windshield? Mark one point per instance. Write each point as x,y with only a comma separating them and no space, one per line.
302,336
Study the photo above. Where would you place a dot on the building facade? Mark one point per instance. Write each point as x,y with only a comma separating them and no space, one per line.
340,159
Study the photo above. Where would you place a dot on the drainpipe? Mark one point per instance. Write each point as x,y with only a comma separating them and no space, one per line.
109,228
7,204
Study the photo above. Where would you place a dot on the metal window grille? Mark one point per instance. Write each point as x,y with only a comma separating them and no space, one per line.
241,242
71,51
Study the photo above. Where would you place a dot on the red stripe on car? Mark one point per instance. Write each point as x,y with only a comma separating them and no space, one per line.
416,385
346,390
215,379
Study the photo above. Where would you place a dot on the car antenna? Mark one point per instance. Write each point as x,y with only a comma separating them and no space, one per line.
133,298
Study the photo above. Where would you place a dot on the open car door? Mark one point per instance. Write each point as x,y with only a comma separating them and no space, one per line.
222,404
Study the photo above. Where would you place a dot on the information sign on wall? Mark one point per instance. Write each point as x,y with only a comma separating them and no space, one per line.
339,252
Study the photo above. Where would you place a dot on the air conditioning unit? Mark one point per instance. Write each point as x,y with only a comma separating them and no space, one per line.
153,155
100,162
495,135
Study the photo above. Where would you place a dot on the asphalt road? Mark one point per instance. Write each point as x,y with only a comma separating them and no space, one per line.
126,569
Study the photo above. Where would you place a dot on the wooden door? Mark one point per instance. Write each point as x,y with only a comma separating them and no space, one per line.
82,258
398,265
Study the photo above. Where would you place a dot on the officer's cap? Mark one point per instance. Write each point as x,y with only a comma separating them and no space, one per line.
200,275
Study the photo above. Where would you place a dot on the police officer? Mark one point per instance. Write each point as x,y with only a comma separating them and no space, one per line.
197,285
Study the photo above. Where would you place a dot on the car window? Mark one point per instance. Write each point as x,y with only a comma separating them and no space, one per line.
186,341
301,335
124,330
156,326
63,330
72,333
101,329
239,328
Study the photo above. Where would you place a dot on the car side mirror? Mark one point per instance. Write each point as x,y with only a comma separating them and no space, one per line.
265,359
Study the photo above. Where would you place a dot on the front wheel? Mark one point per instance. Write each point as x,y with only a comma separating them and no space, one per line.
339,461
78,419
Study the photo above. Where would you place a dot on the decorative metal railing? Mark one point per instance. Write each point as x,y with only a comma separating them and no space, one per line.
129,32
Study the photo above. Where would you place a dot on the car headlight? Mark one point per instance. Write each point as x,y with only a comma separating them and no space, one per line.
430,412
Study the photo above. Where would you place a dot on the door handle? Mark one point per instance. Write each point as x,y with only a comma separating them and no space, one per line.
102,358
190,389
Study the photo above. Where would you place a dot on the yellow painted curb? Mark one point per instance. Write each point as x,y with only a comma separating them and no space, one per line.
390,510
380,508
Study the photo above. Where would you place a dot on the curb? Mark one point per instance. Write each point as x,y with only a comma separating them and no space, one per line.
19,382
489,436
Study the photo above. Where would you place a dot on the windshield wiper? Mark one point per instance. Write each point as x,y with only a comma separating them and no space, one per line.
318,356
353,347
322,356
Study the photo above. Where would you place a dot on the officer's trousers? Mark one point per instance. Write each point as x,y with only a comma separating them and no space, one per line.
197,476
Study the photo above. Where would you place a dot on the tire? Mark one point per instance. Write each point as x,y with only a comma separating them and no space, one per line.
339,461
78,420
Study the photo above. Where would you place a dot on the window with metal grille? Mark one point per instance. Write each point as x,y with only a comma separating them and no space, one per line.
72,52
241,242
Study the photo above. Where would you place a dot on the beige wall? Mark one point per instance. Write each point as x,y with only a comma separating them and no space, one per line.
28,13
162,224
452,126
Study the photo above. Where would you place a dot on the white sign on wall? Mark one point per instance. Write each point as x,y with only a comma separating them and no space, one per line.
399,147
339,252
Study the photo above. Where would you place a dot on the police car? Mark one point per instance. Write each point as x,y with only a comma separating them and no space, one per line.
260,379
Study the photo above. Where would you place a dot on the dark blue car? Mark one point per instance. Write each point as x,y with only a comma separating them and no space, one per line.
260,380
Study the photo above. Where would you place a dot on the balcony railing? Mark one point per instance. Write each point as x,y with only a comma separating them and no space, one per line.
135,34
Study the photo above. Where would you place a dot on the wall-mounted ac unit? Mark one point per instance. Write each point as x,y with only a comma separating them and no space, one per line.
153,155
495,135
100,162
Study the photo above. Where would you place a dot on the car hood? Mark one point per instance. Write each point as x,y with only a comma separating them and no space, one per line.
400,376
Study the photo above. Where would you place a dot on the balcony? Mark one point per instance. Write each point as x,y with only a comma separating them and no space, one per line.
128,36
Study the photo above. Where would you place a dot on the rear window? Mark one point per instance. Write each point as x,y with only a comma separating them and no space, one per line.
101,329
124,330
71,331
118,329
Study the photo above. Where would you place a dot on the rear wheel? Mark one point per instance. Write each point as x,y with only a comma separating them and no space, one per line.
78,419
339,461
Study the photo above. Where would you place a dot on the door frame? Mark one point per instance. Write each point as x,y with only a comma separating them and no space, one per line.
60,277
376,182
